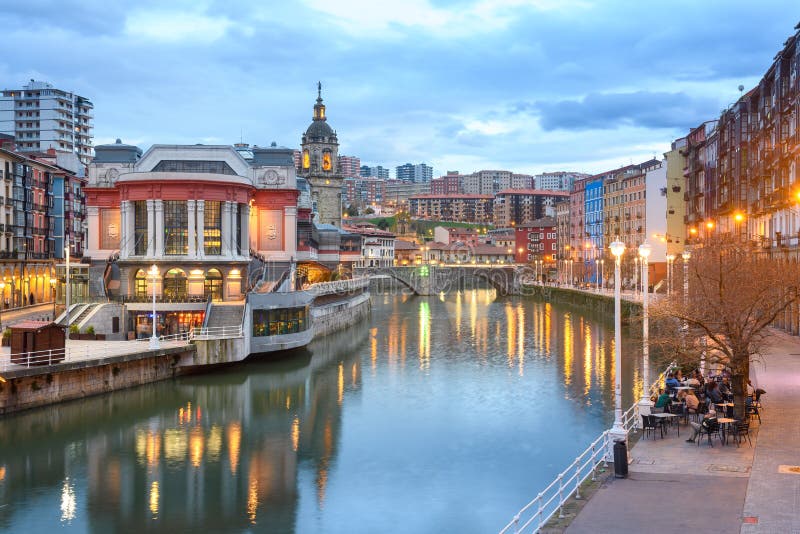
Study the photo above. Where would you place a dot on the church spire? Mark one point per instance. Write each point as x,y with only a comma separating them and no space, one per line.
319,107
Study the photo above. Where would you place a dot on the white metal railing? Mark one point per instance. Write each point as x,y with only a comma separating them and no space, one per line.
89,351
183,336
568,483
338,286
217,332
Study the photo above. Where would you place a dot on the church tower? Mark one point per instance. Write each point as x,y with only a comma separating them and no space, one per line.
319,162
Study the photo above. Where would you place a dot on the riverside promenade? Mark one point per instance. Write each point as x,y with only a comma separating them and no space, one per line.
674,485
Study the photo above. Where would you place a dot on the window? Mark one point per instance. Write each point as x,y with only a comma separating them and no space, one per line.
139,228
280,322
175,284
212,228
140,284
176,233
212,286
212,167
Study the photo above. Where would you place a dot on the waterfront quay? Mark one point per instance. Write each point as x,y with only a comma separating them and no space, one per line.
675,485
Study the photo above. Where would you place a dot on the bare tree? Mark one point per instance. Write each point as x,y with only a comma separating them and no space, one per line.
735,292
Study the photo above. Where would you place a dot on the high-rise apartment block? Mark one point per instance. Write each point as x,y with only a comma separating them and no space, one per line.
419,173
558,181
349,166
374,172
41,117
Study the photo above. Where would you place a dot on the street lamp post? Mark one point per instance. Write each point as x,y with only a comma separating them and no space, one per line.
53,293
67,292
2,295
618,432
670,260
154,344
644,404
602,274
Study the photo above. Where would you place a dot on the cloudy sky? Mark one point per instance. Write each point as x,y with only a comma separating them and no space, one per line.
525,85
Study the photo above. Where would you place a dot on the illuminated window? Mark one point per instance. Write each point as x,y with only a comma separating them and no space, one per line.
176,228
175,284
212,286
139,227
212,228
140,284
326,161
306,159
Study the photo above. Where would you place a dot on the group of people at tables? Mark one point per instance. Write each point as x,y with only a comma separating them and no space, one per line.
693,391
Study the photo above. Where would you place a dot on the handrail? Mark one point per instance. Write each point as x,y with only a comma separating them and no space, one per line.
217,332
90,351
568,482
337,286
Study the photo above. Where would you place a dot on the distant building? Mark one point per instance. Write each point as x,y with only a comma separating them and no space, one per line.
675,189
458,236
459,208
42,117
349,166
377,246
502,237
419,173
375,172
397,193
563,254
559,181
406,253
513,207
537,241
450,184
480,254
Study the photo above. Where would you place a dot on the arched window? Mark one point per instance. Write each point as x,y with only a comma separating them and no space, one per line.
175,285
213,284
140,284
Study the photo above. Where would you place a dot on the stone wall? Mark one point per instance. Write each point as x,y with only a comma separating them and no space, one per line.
102,320
34,387
215,351
338,316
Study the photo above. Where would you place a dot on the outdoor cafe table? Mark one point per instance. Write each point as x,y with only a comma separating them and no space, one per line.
725,422
679,388
668,416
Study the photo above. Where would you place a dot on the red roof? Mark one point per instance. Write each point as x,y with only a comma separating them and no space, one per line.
460,196
538,192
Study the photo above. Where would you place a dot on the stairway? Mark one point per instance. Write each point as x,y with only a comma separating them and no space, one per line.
228,315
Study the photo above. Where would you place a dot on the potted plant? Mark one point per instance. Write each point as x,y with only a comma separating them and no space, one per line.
88,333
6,337
74,332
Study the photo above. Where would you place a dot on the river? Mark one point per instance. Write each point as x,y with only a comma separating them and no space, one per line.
439,414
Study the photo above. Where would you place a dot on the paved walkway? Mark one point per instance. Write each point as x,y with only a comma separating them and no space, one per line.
674,484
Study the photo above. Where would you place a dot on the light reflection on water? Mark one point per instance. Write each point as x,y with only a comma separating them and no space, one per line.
470,404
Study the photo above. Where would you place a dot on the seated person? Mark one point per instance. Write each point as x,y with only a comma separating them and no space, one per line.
671,382
750,389
692,403
725,387
699,376
713,393
679,375
692,382
663,401
708,419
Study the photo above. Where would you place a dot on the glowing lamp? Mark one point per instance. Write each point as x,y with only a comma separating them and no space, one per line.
617,248
645,249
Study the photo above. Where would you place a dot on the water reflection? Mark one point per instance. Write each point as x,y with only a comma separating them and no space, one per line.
449,416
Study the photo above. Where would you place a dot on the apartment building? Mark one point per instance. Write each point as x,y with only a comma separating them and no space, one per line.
513,207
42,117
461,208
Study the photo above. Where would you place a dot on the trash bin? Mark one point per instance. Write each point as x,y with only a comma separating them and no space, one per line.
620,459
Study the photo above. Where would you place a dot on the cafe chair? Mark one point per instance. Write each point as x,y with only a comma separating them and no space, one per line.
712,429
650,423
742,431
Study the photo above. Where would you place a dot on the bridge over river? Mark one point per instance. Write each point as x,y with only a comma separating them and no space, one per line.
434,279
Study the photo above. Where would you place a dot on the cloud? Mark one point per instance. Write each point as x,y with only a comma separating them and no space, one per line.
612,110
176,26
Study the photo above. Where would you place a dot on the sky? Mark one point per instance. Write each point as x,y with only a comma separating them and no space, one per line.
523,85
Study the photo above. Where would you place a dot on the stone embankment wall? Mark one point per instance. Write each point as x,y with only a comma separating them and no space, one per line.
34,387
340,315
589,301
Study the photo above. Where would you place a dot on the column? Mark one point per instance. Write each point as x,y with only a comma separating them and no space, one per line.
226,229
234,236
290,232
201,224
159,214
151,229
123,228
93,237
190,206
246,230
